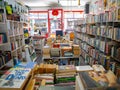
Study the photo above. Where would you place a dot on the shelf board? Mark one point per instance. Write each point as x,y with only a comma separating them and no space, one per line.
86,33
4,44
16,49
116,59
91,23
5,64
15,35
32,53
13,21
34,59
2,66
87,53
78,31
116,40
60,57
11,36
2,22
86,43
101,36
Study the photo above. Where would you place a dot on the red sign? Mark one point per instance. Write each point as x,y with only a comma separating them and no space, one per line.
55,12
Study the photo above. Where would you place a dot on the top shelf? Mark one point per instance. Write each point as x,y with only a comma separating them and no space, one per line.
115,23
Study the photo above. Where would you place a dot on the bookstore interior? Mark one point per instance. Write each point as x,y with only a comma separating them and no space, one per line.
59,45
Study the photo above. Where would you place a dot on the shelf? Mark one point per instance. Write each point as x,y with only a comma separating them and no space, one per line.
2,66
13,21
16,49
91,23
34,59
38,37
116,59
15,35
116,40
100,36
87,53
86,33
2,23
3,44
61,57
86,43
32,53
78,31
5,64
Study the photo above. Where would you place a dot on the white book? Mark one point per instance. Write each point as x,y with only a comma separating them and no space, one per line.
84,68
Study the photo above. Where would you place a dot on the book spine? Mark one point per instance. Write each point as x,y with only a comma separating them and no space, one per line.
1,38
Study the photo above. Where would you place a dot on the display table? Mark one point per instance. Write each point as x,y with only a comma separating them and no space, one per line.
15,79
73,60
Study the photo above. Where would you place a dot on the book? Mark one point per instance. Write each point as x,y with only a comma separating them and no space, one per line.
1,38
84,68
4,37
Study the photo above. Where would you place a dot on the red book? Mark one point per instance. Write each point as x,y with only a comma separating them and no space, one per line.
1,39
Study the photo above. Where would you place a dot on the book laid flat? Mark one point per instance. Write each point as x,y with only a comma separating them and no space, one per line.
14,78
84,68
56,88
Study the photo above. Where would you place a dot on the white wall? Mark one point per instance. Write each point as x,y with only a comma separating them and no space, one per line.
64,8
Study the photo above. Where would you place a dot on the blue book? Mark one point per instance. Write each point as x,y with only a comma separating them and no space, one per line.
4,37
118,33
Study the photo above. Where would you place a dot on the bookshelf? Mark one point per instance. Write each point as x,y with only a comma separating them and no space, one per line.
99,38
11,33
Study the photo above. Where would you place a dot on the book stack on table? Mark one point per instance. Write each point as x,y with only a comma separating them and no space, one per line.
65,75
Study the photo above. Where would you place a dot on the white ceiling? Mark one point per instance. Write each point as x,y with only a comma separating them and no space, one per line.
45,3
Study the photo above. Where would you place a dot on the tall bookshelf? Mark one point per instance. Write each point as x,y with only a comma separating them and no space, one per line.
99,38
12,27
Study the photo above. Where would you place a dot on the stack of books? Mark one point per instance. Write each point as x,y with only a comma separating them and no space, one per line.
47,79
65,75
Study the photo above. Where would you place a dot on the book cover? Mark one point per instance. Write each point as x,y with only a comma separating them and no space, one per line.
4,37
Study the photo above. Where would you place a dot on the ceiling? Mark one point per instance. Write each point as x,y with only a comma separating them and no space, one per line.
47,3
